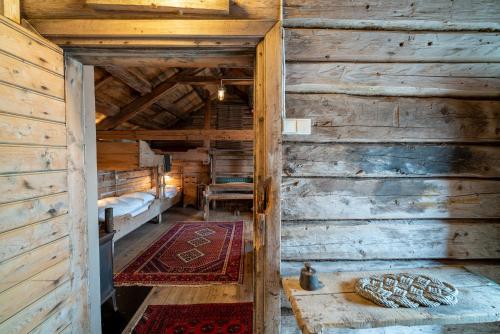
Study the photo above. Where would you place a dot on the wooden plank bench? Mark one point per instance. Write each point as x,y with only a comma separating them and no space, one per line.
338,306
226,192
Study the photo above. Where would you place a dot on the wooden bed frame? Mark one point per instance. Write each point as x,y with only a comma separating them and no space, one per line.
125,224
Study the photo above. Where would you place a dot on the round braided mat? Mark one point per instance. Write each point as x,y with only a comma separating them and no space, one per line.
406,290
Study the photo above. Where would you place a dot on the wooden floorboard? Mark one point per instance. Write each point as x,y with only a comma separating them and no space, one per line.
130,246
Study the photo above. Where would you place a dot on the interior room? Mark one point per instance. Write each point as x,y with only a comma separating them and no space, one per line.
164,180
250,166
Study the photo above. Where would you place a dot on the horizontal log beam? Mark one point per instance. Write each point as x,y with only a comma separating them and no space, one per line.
153,28
207,80
167,135
193,7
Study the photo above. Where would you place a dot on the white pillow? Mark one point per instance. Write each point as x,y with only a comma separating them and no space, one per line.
145,197
121,206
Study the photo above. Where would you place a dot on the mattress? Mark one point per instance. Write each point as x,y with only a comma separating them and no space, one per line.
128,204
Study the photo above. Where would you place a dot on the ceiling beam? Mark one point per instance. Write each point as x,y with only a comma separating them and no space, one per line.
133,80
212,80
157,59
220,7
167,135
138,105
151,28
103,81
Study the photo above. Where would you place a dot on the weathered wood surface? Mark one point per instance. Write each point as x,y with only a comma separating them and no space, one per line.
151,28
20,130
402,239
22,102
332,198
41,53
254,9
220,7
222,135
21,267
18,241
11,9
289,326
20,187
345,118
338,306
390,160
77,205
395,79
26,212
268,104
35,314
20,74
16,298
394,14
390,46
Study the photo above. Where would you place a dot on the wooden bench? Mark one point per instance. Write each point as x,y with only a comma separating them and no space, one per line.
226,192
338,306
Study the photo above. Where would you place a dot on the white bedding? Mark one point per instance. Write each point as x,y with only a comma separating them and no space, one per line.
168,192
133,204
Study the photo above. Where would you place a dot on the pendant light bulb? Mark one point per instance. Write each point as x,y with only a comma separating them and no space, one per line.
221,92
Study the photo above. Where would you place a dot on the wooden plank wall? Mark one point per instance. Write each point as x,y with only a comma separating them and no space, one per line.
117,183
37,283
403,159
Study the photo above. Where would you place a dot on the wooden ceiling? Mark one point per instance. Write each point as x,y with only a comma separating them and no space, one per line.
156,98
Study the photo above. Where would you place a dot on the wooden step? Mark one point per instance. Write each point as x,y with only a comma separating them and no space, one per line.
337,305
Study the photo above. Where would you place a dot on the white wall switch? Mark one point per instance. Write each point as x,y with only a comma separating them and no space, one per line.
297,126
289,126
303,126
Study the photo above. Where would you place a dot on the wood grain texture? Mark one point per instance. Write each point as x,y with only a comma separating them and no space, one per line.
19,130
34,314
407,239
346,118
31,159
27,238
22,102
326,45
220,7
254,9
332,198
16,298
15,72
30,263
77,198
408,79
151,28
20,187
327,308
390,160
17,42
26,212
393,14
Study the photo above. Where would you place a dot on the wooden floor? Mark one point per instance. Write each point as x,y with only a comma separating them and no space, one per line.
130,246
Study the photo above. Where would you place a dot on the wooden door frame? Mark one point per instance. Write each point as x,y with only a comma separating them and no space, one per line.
268,112
267,173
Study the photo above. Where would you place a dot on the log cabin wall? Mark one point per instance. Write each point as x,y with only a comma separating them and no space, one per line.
41,240
402,165
117,183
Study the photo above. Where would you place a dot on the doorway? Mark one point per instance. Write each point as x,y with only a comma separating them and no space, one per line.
267,172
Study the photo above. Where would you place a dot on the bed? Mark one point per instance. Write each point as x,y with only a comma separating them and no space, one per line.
132,210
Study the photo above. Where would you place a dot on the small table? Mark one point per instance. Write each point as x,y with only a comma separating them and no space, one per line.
226,191
337,305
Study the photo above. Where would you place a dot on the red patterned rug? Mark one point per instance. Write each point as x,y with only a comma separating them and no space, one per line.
189,253
196,319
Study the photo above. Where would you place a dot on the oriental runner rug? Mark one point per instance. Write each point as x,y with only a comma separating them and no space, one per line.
190,253
196,319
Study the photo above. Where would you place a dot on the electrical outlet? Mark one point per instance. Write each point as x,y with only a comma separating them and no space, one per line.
297,126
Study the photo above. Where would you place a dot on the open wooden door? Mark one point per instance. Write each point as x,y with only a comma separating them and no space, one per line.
43,218
267,175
